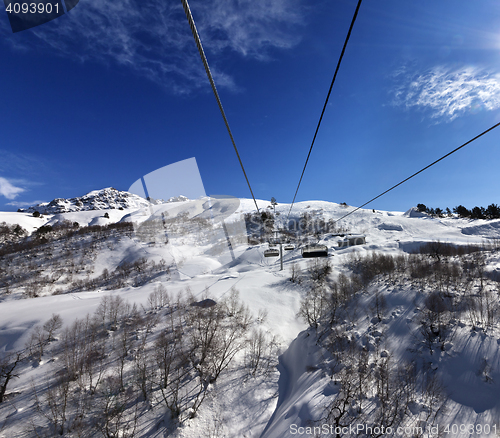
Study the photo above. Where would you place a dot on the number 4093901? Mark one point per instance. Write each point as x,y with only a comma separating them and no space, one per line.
32,8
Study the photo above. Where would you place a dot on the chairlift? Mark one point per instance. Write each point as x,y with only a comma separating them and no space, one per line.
289,247
271,253
310,251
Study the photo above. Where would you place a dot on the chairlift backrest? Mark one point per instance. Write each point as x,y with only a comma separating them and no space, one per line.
311,251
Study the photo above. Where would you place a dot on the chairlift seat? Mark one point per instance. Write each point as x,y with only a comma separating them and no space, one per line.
271,253
289,247
311,251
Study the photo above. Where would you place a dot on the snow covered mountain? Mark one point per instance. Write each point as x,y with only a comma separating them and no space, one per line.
104,199
179,198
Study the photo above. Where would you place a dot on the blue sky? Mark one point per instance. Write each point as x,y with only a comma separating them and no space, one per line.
115,90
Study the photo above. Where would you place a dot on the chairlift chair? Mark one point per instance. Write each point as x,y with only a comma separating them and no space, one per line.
310,251
271,253
289,247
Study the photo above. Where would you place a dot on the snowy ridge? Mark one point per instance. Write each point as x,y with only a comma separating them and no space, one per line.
104,199
179,198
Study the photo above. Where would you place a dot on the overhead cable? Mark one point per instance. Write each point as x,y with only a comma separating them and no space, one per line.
420,171
189,16
326,102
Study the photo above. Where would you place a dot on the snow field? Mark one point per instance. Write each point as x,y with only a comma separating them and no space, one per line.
239,406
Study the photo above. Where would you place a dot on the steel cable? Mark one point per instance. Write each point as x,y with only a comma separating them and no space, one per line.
420,171
326,102
196,36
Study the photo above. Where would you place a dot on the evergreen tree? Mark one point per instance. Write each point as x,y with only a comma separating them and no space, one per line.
493,211
462,211
477,213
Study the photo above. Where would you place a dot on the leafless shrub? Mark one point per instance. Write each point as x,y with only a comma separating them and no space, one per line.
143,367
295,273
110,310
393,392
435,321
373,390
419,266
52,326
315,304
32,288
111,417
367,268
216,428
36,343
433,396
171,360
378,305
159,298
319,269
439,250
55,405
261,352
348,287
262,316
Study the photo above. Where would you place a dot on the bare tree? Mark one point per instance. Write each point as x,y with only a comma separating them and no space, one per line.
378,305
339,413
36,343
8,364
261,352
55,405
315,304
159,298
52,326
295,273
171,363
111,417
125,344
255,352
115,310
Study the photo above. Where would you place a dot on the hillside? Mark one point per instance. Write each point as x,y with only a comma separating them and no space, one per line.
292,348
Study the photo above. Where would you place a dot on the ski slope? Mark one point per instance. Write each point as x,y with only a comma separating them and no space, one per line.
296,391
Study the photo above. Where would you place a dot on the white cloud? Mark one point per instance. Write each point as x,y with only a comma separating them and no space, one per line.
448,93
22,164
20,204
153,38
249,27
8,190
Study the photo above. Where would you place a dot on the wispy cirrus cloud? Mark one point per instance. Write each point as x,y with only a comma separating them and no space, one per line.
21,204
152,37
22,164
9,190
447,93
250,27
